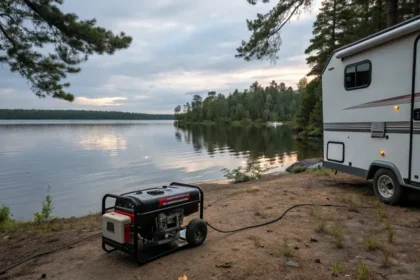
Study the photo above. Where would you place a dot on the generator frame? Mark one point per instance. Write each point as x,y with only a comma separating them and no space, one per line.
145,254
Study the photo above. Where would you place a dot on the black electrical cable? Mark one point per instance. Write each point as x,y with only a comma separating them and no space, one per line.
49,252
216,229
281,216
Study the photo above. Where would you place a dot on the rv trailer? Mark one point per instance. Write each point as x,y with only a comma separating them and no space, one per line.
371,107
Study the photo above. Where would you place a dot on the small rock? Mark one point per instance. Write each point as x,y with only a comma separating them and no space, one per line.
225,205
271,254
296,248
261,246
224,265
269,230
307,246
6,237
314,240
317,260
292,263
209,205
328,198
43,276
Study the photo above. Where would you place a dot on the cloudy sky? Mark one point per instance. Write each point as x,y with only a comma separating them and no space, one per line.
179,48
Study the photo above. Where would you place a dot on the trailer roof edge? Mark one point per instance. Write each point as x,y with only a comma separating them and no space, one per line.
410,27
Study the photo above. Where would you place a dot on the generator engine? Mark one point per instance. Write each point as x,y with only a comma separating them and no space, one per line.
153,217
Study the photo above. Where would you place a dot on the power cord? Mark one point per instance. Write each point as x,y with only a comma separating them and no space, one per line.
214,228
279,218
49,252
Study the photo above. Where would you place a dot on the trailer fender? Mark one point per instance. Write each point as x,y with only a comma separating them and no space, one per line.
377,164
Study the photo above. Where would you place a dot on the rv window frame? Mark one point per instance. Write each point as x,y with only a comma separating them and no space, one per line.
344,151
355,72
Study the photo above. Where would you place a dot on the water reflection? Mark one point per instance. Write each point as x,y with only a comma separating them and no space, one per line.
268,145
112,143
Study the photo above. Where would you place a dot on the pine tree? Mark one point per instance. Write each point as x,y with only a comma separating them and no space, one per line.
330,30
27,25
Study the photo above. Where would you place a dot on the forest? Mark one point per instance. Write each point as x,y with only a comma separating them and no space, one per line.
272,103
20,114
338,23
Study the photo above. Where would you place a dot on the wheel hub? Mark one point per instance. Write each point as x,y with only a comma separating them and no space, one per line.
386,186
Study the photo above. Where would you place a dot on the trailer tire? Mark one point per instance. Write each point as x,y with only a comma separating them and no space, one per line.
387,188
196,232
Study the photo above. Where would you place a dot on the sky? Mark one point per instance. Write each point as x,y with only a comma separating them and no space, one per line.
180,48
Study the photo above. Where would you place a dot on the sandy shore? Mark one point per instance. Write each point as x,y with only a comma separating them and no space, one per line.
306,244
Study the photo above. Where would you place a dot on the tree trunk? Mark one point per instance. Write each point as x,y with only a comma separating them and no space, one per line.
392,6
379,7
416,7
334,24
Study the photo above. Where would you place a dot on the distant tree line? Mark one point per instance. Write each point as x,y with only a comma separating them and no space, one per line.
275,102
20,114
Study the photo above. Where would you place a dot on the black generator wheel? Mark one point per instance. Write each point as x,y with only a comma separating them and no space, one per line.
196,232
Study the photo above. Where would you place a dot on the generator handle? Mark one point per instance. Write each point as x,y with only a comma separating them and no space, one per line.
201,195
116,197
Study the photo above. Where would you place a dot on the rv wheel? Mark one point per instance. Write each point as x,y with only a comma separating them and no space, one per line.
387,188
196,232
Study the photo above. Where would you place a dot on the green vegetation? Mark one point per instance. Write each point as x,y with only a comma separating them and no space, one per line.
389,231
46,211
337,234
5,215
26,26
321,226
386,256
336,269
250,172
275,102
287,250
338,23
20,114
362,271
372,243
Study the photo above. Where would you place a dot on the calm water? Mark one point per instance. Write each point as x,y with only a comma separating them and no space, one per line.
77,162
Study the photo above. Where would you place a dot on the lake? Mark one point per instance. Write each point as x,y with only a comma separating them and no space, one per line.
77,162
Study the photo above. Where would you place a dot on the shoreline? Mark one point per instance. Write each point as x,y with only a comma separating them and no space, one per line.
252,254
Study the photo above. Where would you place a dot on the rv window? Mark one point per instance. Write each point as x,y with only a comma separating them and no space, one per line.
350,77
357,75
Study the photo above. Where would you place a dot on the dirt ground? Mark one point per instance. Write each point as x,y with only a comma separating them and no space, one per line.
308,236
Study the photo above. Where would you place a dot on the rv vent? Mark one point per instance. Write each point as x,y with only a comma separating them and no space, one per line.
377,130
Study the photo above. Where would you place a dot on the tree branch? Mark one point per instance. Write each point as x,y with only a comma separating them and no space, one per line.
289,17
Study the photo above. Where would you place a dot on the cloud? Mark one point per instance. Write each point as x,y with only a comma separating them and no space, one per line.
101,101
179,48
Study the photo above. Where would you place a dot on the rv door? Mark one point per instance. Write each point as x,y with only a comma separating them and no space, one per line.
415,117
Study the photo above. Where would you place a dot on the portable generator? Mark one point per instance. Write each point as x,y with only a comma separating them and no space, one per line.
148,224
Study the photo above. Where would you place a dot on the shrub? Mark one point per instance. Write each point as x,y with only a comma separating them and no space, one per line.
240,174
5,214
46,211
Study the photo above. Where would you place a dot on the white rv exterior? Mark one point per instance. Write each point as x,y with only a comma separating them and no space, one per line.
371,107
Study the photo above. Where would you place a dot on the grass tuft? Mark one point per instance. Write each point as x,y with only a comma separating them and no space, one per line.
321,226
386,256
389,231
362,271
372,243
337,234
287,250
337,269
